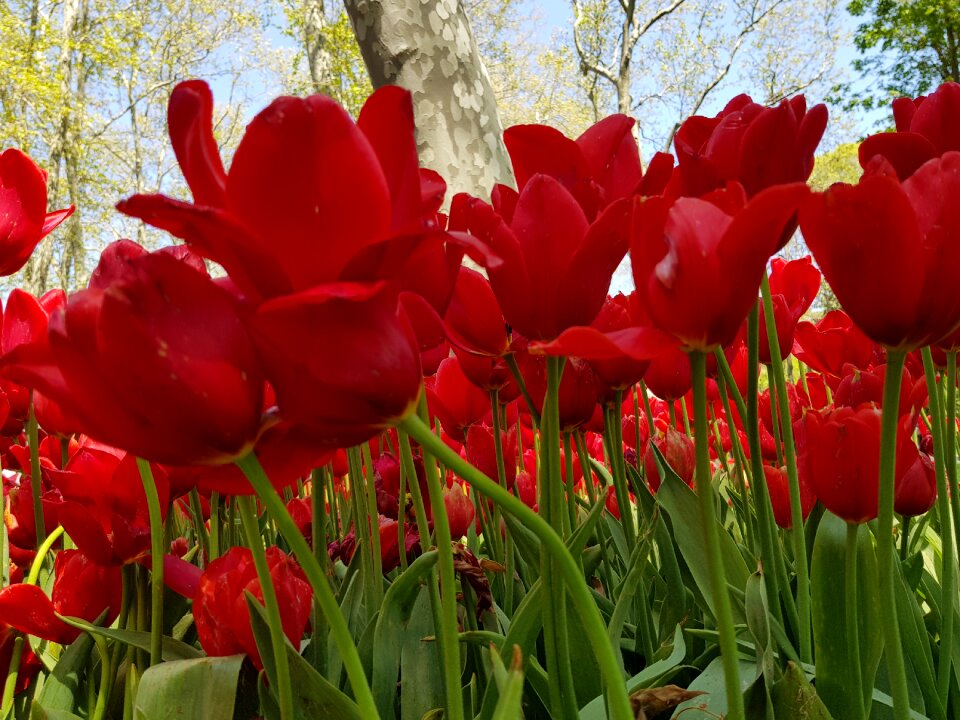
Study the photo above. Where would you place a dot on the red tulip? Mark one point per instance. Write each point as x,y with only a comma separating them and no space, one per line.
916,490
887,250
698,265
24,220
838,456
158,363
481,452
577,392
220,610
678,451
81,589
759,147
460,510
457,402
831,343
793,288
866,386
779,487
926,128
600,167
555,264
668,376
30,664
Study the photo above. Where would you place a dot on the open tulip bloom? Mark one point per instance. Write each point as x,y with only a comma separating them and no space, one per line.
349,474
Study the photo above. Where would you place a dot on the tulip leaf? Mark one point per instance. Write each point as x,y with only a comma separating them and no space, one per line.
681,504
171,649
61,689
829,596
793,697
313,694
202,688
39,712
916,647
421,684
711,682
648,677
510,685
393,619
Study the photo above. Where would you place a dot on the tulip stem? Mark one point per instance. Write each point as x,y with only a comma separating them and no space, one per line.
896,670
36,480
247,506
947,555
616,688
790,455
13,671
718,579
254,472
851,616
156,560
447,627
774,572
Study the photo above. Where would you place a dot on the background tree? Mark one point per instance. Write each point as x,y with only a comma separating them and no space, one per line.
910,47
427,46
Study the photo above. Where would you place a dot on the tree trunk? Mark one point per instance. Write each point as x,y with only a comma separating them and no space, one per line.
427,47
315,45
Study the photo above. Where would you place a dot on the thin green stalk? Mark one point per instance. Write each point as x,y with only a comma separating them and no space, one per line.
774,572
156,560
374,515
718,580
318,533
409,468
196,511
793,479
740,469
518,377
905,542
13,670
106,678
642,391
252,469
36,480
367,530
950,450
619,473
214,526
247,505
447,628
616,689
893,651
556,641
851,616
948,554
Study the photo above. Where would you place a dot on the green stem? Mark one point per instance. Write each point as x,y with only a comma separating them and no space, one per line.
409,468
789,449
616,689
948,555
37,565
13,670
447,628
247,505
851,616
196,511
718,580
106,678
374,515
252,469
774,572
156,560
896,670
36,480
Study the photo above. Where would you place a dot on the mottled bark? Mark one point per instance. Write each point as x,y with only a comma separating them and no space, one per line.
315,45
427,47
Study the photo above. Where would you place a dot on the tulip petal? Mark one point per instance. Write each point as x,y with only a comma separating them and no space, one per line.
28,609
637,343
190,123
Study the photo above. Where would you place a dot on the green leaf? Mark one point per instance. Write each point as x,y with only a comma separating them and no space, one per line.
793,697
712,682
201,688
313,695
829,596
61,689
681,504
511,689
648,677
421,683
170,650
388,637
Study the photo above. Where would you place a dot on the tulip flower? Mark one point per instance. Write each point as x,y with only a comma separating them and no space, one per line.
220,610
460,510
831,343
759,147
887,249
678,451
838,456
24,220
916,490
779,489
927,127
697,265
457,402
81,588
793,288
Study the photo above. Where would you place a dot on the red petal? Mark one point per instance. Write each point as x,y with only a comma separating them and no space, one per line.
637,343
28,609
190,123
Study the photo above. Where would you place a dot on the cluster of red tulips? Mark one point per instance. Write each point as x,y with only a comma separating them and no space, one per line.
352,476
